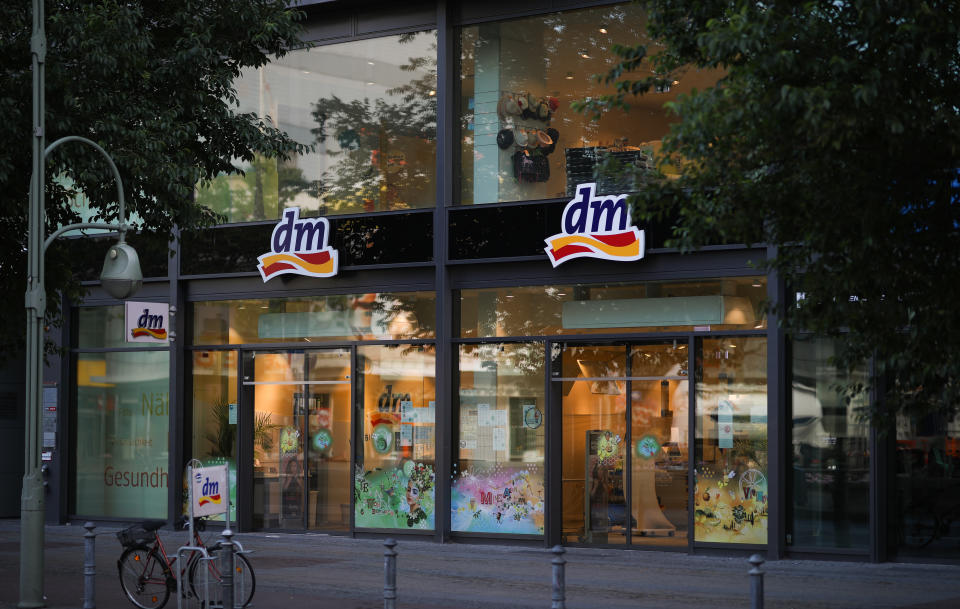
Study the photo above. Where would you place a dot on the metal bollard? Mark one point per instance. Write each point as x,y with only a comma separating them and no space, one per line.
227,569
390,575
756,582
559,579
89,566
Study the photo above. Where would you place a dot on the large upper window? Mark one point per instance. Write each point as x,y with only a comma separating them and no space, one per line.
519,138
369,110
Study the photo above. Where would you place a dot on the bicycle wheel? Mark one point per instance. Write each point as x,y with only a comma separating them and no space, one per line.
144,577
211,595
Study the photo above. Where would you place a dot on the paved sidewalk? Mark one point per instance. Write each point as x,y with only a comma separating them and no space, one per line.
325,572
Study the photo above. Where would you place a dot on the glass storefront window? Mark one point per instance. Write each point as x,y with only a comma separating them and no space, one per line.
717,304
395,481
122,430
731,499
100,327
400,315
831,453
925,515
498,482
368,110
216,414
519,138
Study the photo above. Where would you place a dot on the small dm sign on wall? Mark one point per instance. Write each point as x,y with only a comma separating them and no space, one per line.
299,247
146,322
596,227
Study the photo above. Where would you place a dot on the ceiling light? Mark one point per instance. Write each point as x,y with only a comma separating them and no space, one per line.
676,82
370,83
369,63
603,30
584,54
757,284
432,93
569,76
305,71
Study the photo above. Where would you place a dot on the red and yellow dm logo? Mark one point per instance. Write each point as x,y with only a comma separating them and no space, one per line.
209,493
299,248
596,228
149,325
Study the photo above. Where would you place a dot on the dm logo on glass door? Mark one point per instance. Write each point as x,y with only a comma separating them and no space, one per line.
596,227
299,248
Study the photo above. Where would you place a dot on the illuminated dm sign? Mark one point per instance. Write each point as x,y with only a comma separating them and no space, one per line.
596,227
299,247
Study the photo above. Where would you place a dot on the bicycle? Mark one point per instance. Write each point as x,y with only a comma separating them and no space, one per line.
147,573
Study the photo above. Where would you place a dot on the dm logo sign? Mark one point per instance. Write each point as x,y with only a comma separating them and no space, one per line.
208,490
596,227
146,322
299,247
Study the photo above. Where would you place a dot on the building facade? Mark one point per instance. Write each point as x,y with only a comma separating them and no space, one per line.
442,322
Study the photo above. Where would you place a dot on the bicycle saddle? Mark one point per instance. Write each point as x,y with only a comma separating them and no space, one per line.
153,525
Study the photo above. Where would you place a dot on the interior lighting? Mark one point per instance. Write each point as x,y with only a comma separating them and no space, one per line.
432,93
603,30
569,76
584,54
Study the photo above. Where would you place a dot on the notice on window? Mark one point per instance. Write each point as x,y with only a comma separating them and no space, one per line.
725,424
483,415
407,414
499,438
406,435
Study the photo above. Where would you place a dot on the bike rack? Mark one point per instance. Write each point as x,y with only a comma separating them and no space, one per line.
202,583
200,600
183,572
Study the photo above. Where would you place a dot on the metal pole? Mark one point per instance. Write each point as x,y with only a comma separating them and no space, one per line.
559,578
227,569
32,496
89,566
756,582
390,575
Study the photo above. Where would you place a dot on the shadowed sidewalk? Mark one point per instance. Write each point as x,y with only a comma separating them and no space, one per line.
321,571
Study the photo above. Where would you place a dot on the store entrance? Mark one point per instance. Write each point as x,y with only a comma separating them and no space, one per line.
625,454
301,438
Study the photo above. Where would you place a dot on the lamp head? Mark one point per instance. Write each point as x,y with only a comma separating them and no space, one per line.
121,276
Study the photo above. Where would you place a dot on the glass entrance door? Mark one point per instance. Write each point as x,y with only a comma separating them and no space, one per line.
625,454
301,438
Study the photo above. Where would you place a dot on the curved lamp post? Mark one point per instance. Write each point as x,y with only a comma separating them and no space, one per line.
121,277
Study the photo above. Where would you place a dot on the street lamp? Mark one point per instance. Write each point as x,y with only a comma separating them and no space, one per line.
121,277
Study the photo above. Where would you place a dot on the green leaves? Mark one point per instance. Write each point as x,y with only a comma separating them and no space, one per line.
835,135
152,82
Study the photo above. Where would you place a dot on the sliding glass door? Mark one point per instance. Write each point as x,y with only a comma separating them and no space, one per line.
624,453
301,438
